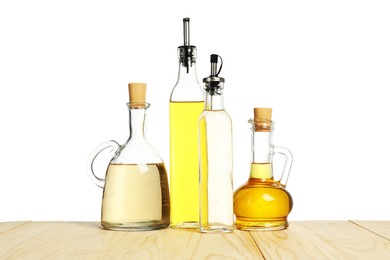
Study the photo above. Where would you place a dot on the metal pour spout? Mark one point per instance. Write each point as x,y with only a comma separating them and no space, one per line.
187,52
214,63
213,84
186,31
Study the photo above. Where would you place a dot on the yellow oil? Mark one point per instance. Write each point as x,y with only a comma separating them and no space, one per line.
184,168
204,174
262,203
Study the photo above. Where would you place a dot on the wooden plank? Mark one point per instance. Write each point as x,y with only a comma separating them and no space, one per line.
382,228
293,243
19,238
6,226
322,240
184,244
86,240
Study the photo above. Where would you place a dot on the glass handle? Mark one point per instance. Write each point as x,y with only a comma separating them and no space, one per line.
287,165
91,159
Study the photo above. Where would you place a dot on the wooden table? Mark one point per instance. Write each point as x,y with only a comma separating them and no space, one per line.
302,240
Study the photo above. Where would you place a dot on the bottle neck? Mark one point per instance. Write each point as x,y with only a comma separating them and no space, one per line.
137,118
214,101
187,72
261,155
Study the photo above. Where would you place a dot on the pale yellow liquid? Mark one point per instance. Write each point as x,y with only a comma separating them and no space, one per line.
135,197
184,168
262,203
216,186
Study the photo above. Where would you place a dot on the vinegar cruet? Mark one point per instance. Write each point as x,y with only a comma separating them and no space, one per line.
135,188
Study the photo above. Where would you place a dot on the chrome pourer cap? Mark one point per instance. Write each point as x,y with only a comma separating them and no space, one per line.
186,52
213,83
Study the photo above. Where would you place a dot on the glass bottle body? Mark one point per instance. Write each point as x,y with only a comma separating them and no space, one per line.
136,193
263,203
135,197
216,166
186,104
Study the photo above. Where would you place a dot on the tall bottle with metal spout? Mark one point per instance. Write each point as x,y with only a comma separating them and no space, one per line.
215,157
186,104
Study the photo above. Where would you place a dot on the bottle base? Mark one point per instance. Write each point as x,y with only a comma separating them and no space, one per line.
134,226
216,229
185,225
250,224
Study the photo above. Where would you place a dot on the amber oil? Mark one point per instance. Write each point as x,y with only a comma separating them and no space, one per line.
262,202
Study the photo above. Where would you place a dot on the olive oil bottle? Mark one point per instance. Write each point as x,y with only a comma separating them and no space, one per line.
186,105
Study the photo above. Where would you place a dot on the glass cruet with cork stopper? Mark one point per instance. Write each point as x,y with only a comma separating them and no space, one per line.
135,187
185,106
263,203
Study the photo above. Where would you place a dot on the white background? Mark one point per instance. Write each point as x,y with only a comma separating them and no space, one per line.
323,66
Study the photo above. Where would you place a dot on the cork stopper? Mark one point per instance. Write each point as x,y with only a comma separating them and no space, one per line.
137,92
263,113
262,121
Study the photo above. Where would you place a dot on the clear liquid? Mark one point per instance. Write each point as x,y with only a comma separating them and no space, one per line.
135,197
216,190
184,168
262,203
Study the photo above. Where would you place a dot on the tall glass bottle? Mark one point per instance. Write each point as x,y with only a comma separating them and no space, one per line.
215,158
263,203
136,194
186,104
